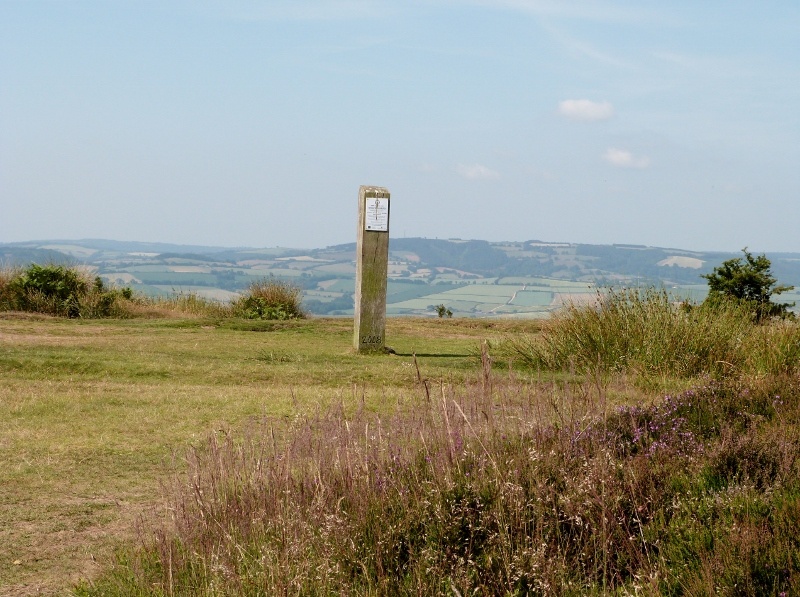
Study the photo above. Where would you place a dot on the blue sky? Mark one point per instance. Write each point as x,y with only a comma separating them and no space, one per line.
247,123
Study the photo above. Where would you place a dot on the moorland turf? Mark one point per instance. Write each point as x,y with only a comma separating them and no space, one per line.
94,413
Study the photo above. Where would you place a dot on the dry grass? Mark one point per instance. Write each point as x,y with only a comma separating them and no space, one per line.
7,274
497,486
180,305
645,334
550,485
295,466
91,413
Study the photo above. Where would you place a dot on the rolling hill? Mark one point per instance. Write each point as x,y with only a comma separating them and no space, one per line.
472,278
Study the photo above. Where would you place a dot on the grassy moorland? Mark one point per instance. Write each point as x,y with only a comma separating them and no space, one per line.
94,412
632,447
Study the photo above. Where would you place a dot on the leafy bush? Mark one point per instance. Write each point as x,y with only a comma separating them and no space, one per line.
60,290
748,282
51,289
270,299
441,310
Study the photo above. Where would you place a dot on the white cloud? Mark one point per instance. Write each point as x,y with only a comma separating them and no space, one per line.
477,172
586,110
623,158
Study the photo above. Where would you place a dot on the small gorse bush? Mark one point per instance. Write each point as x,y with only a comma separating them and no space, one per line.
62,291
270,299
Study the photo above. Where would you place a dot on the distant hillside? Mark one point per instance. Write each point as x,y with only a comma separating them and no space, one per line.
607,264
472,277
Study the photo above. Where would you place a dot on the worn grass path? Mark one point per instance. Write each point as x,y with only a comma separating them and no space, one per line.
92,414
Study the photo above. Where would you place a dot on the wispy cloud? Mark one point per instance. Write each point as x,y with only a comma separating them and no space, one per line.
591,10
477,172
594,10
622,158
705,65
581,49
586,110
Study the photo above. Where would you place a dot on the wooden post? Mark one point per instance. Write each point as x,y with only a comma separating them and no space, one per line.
372,267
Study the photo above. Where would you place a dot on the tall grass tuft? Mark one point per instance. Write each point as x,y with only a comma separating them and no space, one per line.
7,275
499,487
181,304
646,333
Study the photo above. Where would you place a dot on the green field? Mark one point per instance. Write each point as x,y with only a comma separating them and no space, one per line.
209,292
476,297
321,295
493,293
549,283
527,298
340,285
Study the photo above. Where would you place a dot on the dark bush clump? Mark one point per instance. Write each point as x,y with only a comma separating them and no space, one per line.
60,290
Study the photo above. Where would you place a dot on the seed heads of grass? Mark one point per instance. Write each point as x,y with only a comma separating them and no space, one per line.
491,493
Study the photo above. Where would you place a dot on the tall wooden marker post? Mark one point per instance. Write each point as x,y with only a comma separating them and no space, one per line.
372,268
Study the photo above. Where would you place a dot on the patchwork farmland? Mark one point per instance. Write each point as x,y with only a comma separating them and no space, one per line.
470,278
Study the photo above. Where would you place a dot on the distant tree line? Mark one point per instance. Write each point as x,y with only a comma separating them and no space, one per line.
318,307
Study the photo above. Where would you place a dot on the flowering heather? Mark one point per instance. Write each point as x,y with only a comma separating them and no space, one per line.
525,488
562,484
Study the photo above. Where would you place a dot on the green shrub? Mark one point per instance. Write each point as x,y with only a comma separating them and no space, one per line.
52,289
750,282
270,299
441,310
62,291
